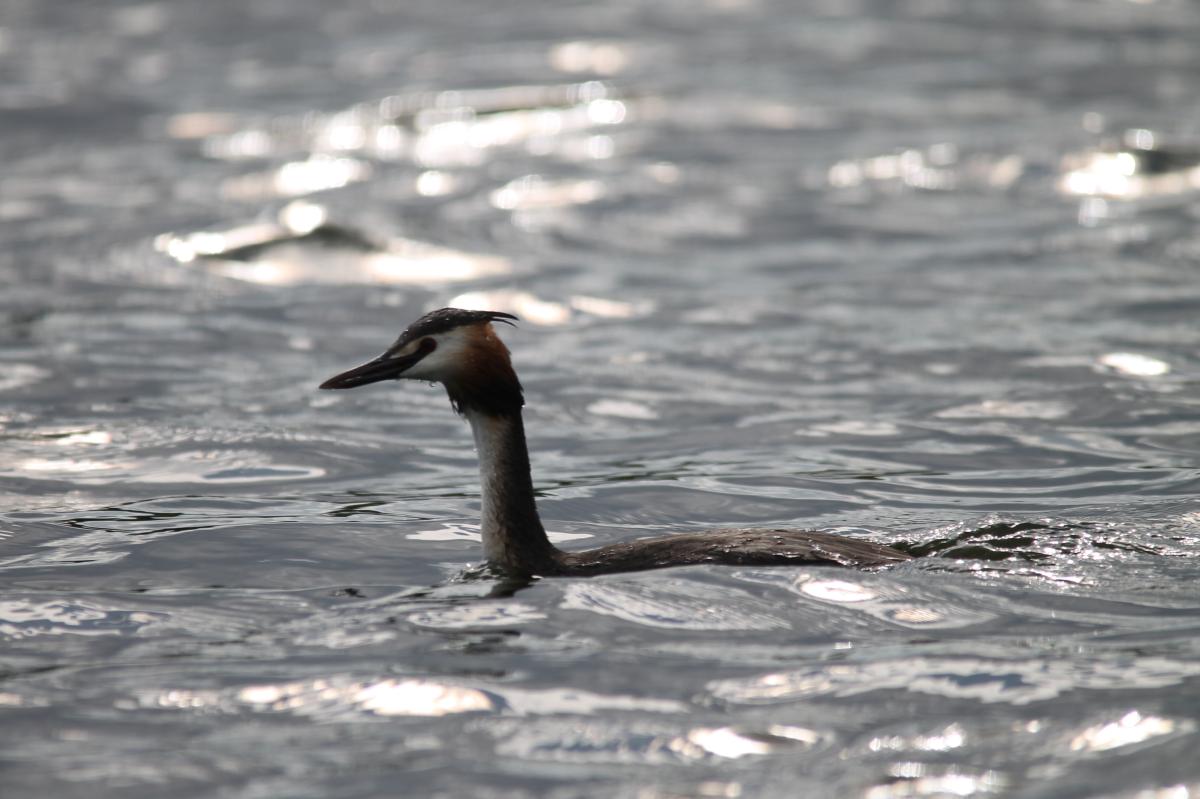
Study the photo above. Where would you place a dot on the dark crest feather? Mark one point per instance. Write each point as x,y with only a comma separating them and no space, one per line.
444,319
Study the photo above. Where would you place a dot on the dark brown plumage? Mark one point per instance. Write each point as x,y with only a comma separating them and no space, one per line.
460,349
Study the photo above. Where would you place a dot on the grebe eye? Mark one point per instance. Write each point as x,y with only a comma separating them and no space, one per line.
427,346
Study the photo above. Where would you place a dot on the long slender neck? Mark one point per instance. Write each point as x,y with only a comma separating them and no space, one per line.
513,536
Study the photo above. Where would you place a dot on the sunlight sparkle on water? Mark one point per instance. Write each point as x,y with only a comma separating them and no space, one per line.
10,700
419,698
1142,166
298,178
86,437
1132,728
62,465
460,135
888,603
339,696
217,466
951,737
1134,364
731,743
622,409
936,785
535,192
435,183
385,697
829,266
599,57
535,310
16,375
480,615
287,253
1173,792
1015,682
938,168
727,742
525,305
837,591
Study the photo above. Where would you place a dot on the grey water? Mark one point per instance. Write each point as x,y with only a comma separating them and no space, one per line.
925,273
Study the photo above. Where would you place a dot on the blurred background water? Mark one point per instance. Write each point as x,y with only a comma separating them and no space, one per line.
920,272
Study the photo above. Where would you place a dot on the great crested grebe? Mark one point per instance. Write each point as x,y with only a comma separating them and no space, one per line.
461,350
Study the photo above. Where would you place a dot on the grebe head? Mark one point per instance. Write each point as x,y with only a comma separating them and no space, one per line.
454,347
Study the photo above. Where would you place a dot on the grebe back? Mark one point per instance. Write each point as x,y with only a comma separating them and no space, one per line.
460,350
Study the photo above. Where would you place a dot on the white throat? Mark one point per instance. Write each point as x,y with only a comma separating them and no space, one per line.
513,536
489,435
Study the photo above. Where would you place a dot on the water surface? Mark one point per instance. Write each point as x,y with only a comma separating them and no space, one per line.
921,273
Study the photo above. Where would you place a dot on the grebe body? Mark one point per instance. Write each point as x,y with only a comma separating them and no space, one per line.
461,350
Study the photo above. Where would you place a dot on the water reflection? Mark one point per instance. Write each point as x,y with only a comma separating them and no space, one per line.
846,222
536,192
672,603
1141,166
483,614
437,130
1008,409
18,375
1132,728
26,618
538,311
442,132
11,700
122,464
304,246
298,178
592,56
915,779
950,737
731,743
1014,682
1173,792
941,167
1134,364
881,598
332,696
340,697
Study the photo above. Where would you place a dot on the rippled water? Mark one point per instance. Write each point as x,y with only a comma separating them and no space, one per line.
920,272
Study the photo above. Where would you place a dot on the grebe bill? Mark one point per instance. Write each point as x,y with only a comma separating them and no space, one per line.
460,350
